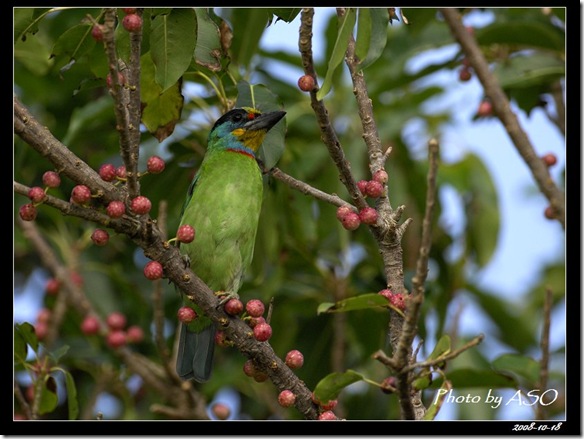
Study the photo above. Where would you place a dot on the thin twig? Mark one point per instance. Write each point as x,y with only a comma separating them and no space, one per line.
328,135
502,109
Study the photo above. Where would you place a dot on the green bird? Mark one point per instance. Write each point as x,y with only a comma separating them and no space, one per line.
223,205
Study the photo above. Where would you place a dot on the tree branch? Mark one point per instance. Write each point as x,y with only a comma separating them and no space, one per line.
502,109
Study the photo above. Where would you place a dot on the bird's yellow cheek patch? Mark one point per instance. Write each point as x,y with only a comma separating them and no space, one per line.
251,139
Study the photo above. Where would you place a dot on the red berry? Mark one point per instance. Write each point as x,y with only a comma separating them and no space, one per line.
77,279
221,411
90,325
351,221
330,405
107,172
116,339
286,398
116,209
368,215
260,376
41,329
550,213
141,205
51,179
155,165
342,211
129,10
327,416
549,159
121,172
110,83
36,194
44,315
362,185
398,301
255,308
135,334
97,32
485,108
153,270
28,212
306,83
294,359
233,307
381,176
248,368
186,314
52,286
386,293
262,331
116,320
254,321
80,194
132,22
100,237
185,233
464,74
388,384
221,339
374,189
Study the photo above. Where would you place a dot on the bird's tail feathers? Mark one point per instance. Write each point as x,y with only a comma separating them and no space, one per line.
195,353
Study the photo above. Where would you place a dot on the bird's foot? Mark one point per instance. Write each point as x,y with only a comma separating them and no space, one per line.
225,296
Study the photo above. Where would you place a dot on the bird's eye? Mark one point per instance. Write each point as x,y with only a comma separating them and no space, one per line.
237,117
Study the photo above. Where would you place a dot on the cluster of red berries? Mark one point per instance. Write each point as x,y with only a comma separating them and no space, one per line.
117,333
397,300
373,188
326,409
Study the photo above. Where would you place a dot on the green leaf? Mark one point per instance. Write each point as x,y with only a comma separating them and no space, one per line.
524,33
208,50
260,97
523,366
20,348
524,71
249,25
474,183
34,55
86,117
331,385
48,399
346,25
26,21
363,301
437,401
58,354
285,14
172,43
441,348
477,378
26,332
72,402
74,43
162,110
374,32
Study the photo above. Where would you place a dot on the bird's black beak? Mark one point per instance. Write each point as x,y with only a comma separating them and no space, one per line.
264,121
